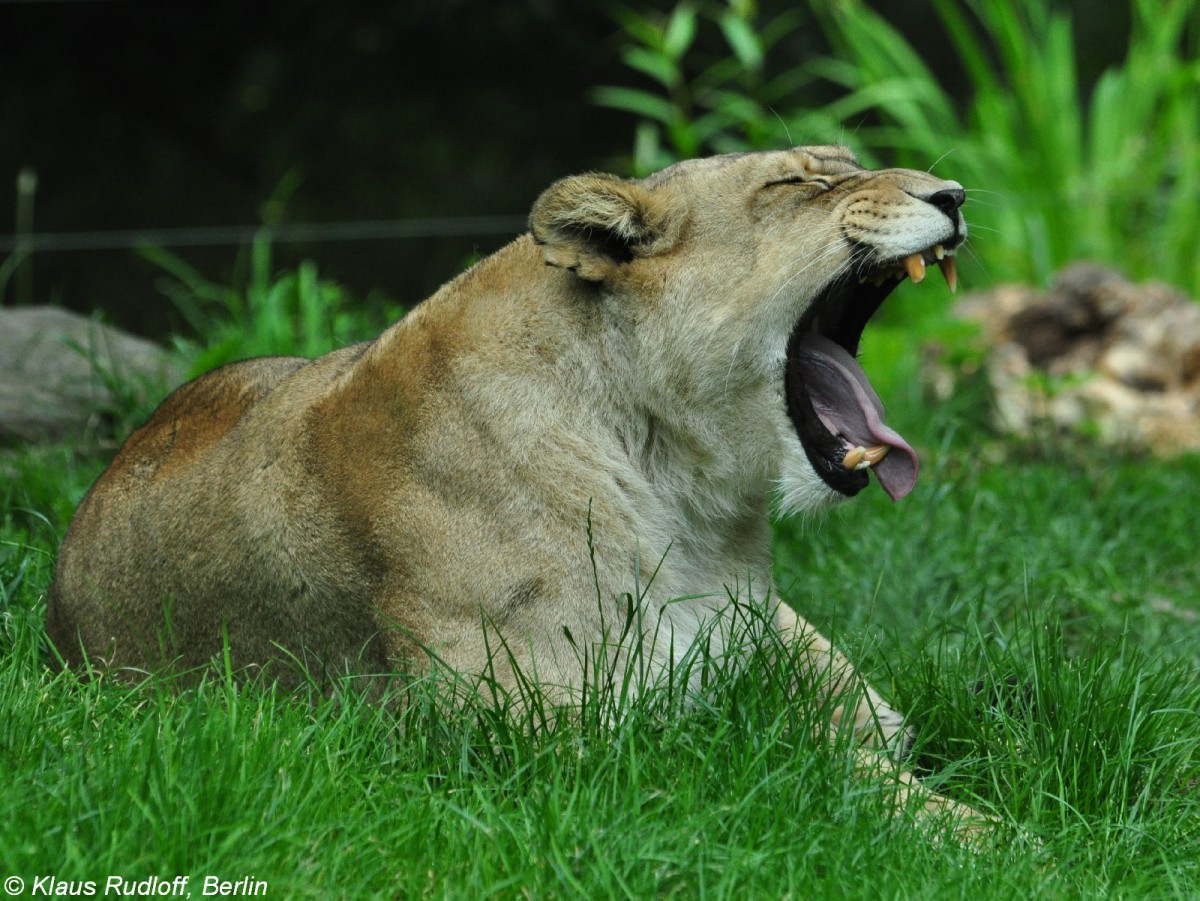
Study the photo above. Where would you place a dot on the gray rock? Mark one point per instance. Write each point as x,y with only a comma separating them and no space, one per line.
62,374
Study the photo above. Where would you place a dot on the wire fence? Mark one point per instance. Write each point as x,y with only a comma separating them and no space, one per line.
228,236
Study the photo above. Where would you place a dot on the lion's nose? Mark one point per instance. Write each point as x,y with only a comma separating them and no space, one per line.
948,200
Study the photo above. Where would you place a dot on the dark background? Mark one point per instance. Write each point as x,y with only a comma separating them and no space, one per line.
145,114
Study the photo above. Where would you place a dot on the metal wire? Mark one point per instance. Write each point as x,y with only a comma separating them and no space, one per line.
224,236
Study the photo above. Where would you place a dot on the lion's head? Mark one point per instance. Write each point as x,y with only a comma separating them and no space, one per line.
769,265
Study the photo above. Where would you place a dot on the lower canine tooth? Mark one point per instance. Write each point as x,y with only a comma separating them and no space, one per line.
864,457
914,265
873,455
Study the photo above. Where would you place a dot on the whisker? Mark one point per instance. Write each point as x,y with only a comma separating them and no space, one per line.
820,256
971,192
939,159
984,204
787,131
975,229
991,282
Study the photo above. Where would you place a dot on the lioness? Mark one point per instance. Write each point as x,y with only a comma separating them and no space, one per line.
611,400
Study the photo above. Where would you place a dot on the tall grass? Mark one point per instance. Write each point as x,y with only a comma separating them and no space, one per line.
293,312
1062,175
1056,170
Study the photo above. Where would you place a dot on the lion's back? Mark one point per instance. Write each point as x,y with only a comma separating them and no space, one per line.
168,495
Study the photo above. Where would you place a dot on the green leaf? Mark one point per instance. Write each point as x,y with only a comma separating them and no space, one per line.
742,41
658,67
647,148
641,28
680,33
640,103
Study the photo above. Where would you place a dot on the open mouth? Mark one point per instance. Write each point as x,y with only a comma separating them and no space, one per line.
834,408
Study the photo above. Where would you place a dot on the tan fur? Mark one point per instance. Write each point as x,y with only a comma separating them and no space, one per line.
361,510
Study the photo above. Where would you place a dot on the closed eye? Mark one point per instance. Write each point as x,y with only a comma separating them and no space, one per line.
800,181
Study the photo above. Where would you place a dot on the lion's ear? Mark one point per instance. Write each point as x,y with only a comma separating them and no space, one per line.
592,224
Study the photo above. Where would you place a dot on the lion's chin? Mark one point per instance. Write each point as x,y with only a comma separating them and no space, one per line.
801,491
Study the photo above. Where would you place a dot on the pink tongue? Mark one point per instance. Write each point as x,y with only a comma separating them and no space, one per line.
846,403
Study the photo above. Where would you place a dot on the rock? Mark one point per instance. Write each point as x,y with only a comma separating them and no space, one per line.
1095,353
62,374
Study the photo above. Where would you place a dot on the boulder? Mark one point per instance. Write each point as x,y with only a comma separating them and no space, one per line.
1095,353
62,374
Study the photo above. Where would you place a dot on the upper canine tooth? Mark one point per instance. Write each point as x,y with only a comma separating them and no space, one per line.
950,271
914,265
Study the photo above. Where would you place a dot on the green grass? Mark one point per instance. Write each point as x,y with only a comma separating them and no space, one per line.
1034,608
